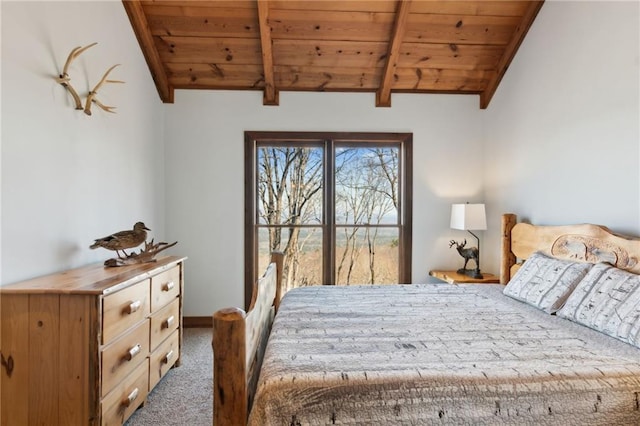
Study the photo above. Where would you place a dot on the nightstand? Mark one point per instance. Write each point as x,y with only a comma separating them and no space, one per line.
452,277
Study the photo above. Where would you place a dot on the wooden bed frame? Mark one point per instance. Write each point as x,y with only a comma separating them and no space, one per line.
239,341
240,338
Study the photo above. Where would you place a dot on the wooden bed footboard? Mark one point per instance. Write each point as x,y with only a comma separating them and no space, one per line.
239,341
584,243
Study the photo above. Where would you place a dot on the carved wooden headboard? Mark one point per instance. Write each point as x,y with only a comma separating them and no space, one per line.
584,243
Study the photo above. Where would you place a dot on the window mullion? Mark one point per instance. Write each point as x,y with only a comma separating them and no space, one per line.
329,231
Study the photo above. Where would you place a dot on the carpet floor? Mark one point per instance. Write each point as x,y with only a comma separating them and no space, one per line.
185,395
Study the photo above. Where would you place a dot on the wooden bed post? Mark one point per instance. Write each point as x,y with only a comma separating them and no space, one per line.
507,258
239,341
229,368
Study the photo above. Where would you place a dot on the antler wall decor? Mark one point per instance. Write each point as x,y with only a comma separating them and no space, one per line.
65,80
91,98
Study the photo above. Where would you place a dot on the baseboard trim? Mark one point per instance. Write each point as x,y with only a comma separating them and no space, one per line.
197,322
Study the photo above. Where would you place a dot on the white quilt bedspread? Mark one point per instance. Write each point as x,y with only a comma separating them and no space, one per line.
438,354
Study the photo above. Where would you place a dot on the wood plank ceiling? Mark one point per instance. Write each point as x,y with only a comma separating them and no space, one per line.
381,46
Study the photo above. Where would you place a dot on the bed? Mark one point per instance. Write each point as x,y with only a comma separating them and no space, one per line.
443,354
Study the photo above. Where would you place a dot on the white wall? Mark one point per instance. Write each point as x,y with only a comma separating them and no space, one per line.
562,133
205,181
68,178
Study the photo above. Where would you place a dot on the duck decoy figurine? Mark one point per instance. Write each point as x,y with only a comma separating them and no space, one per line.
123,240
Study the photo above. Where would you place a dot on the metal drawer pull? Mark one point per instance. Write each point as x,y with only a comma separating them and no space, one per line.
168,286
169,321
167,357
134,306
131,397
132,352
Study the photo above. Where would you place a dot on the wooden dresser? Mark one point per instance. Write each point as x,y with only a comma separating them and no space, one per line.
85,346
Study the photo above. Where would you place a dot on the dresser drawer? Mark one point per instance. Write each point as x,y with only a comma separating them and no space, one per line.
126,397
164,322
163,358
123,309
121,357
164,288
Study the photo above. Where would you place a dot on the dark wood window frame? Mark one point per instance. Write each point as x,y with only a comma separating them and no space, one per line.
254,138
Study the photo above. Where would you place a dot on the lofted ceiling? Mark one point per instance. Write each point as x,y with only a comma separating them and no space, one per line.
381,46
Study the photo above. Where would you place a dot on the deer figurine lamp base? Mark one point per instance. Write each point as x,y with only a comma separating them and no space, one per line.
467,217
469,253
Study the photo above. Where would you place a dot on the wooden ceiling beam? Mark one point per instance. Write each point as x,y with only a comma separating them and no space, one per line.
530,14
383,95
270,96
347,45
140,26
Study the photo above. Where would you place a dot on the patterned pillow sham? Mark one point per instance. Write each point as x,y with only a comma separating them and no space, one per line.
546,282
607,300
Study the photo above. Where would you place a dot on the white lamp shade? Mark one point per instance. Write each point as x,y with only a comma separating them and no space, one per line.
468,217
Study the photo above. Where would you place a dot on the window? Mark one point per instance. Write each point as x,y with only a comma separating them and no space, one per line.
337,204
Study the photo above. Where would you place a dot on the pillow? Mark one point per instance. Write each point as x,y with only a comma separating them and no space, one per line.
546,282
607,300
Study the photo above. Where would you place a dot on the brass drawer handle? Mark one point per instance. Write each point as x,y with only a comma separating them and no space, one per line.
168,286
167,357
133,306
131,397
131,353
169,321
